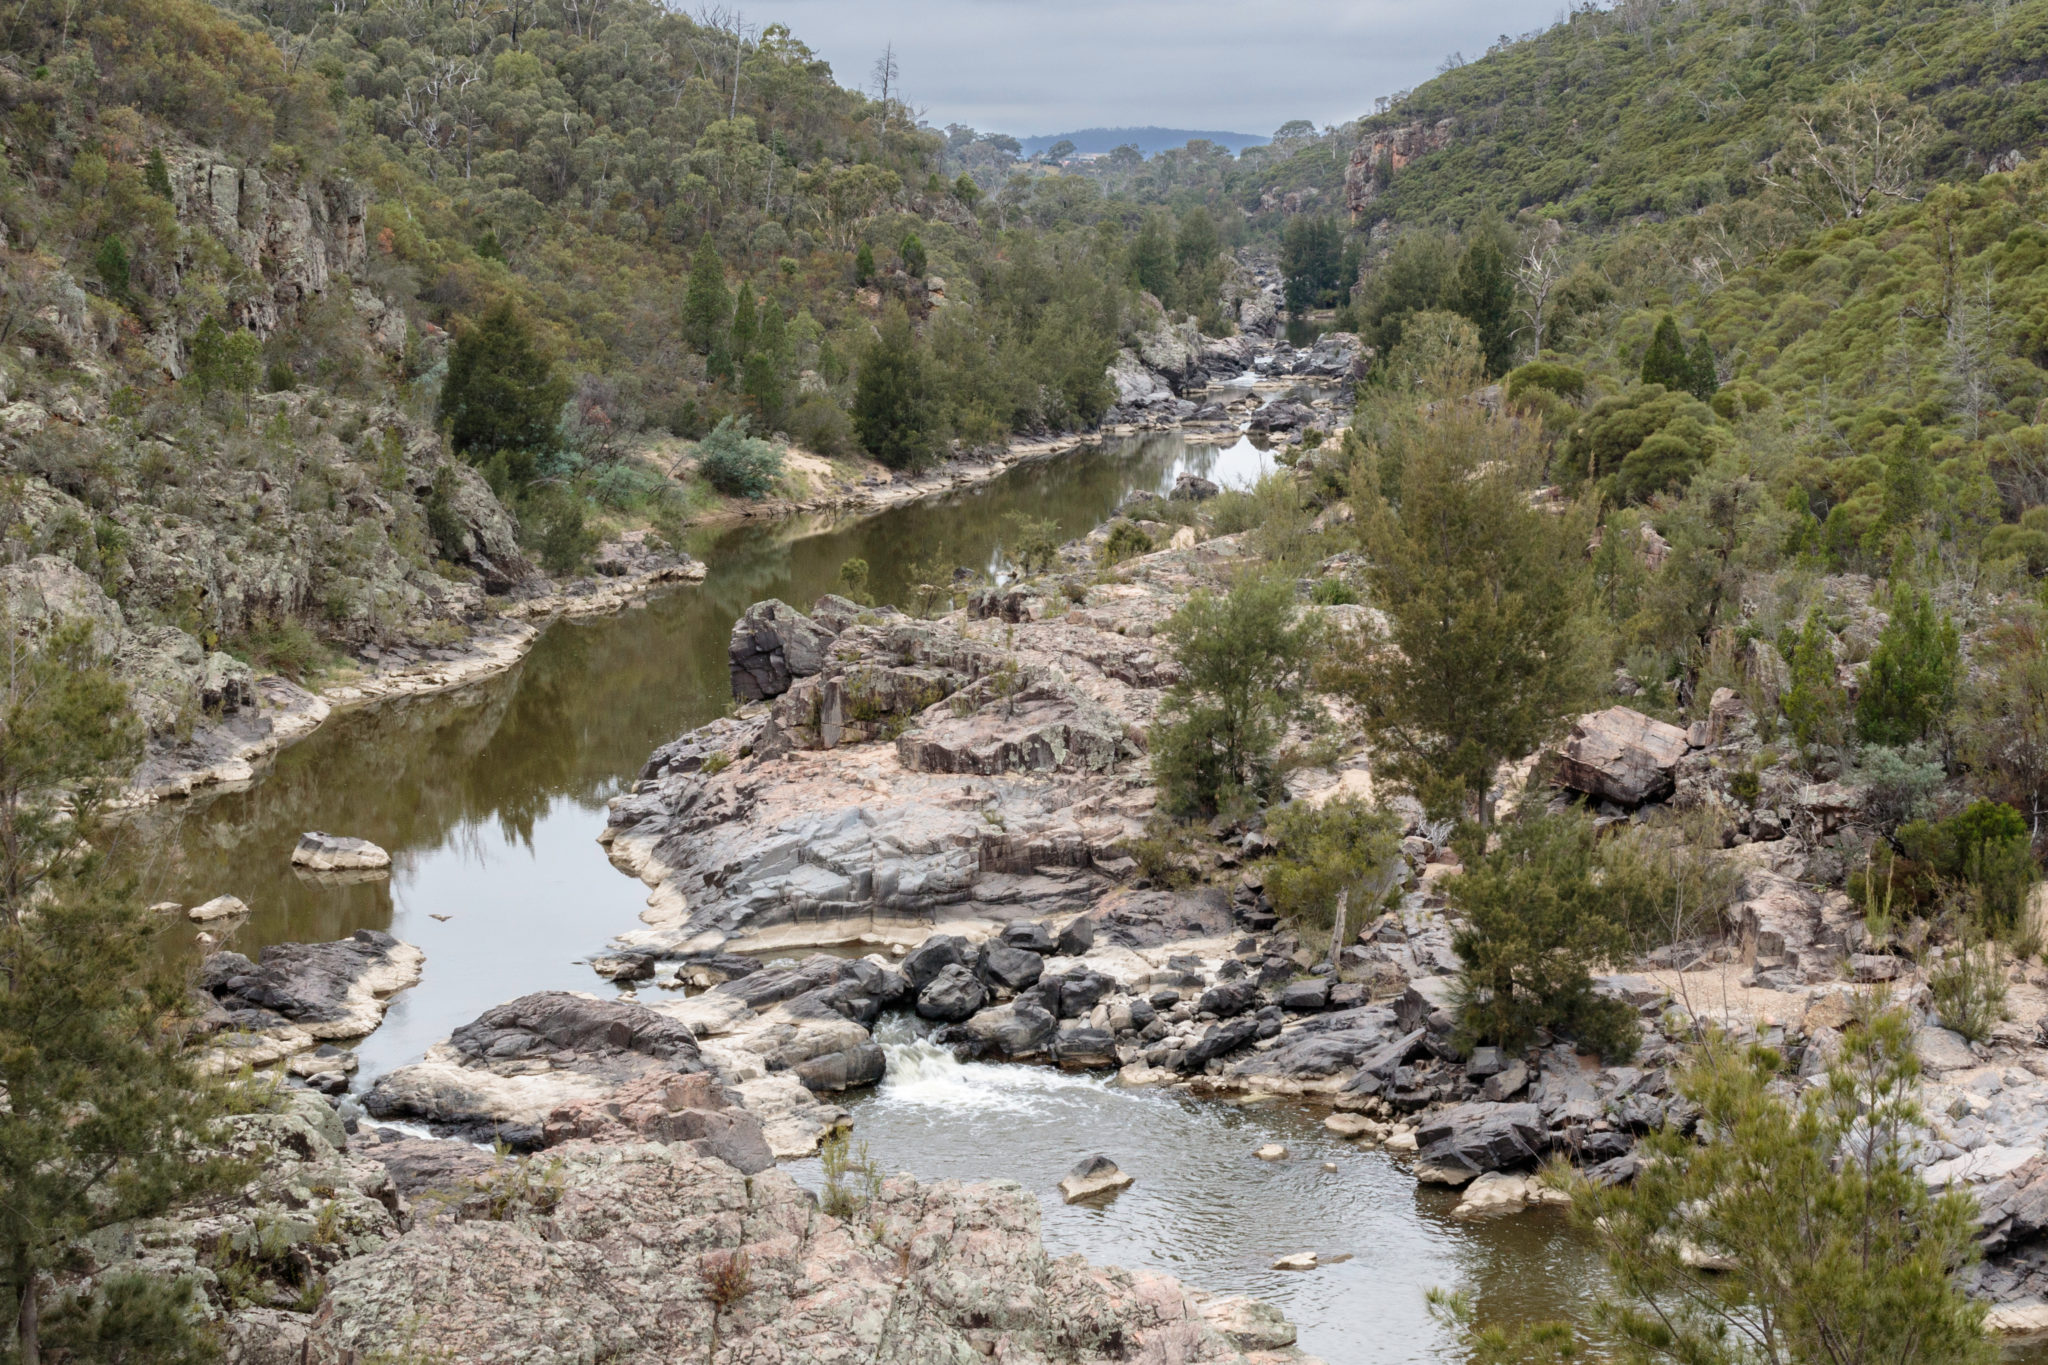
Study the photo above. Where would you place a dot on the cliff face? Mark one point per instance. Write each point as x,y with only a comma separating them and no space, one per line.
1386,154
295,236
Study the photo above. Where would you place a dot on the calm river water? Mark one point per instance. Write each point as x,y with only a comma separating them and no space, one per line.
490,801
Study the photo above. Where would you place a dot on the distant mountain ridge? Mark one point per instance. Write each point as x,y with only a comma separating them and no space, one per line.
1148,140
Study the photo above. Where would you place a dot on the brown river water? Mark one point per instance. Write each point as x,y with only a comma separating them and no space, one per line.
490,800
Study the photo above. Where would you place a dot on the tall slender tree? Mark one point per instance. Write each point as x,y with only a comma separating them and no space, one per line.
107,1118
707,307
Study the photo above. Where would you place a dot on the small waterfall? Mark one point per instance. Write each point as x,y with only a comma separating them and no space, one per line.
924,1075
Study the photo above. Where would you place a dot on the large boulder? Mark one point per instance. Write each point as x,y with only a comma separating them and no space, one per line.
772,645
45,593
1013,969
690,1108
318,852
953,995
1480,1137
934,955
1623,756
1020,1028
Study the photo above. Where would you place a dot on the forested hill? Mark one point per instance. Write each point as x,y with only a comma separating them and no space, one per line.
647,230
1662,106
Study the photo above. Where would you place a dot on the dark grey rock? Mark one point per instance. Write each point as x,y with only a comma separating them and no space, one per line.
1306,996
1012,968
1017,1029
1228,999
1508,1082
863,1065
1221,1040
772,645
1481,1137
1077,938
951,996
928,958
1032,938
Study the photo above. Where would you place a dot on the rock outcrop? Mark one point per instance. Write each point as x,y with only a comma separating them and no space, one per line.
621,1242
1386,154
299,994
917,772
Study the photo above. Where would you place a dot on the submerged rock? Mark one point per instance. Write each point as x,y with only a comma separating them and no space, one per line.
1092,1176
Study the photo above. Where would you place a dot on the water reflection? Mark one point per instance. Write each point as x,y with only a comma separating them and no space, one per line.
490,799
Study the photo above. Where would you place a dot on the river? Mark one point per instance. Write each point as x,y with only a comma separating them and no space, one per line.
490,800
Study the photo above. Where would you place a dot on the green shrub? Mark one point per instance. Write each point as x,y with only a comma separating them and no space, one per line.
853,579
1543,376
1244,670
1911,686
1325,850
1125,541
1333,592
821,426
563,539
1538,919
1032,543
1984,848
1615,428
1814,702
1968,988
736,464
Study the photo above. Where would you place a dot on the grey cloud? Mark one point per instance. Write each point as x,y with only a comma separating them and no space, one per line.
1051,65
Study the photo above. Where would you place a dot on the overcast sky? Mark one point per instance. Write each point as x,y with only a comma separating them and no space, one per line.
1048,66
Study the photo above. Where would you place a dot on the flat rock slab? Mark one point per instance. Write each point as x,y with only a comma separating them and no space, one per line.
296,994
1097,1175
317,852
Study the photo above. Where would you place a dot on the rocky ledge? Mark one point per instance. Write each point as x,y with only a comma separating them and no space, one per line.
351,1247
894,774
297,996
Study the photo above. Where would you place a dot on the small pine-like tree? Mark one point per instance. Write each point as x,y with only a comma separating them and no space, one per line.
1483,291
915,262
1911,686
107,1117
864,265
224,359
1539,915
965,190
156,174
1813,700
1666,362
745,323
1823,1244
1150,258
894,406
1487,601
110,263
1704,375
502,395
707,307
1244,663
